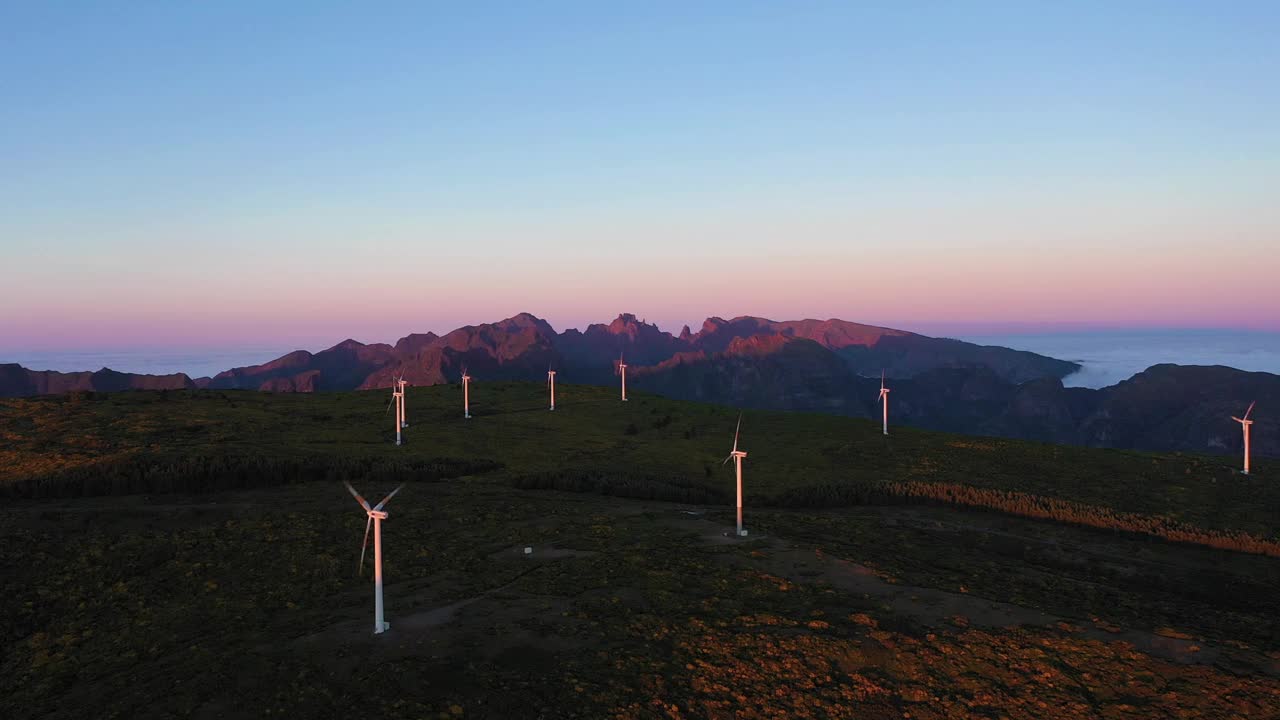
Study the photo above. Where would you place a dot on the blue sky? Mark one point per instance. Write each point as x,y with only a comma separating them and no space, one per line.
236,172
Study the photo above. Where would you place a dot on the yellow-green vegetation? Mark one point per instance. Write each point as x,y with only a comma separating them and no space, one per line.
242,600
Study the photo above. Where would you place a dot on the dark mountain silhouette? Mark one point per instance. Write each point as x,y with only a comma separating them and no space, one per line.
828,366
1164,408
17,381
523,346
1173,407
518,348
640,342
342,367
868,349
761,371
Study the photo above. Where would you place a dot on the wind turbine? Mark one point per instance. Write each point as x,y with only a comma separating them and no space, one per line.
376,516
622,370
551,384
884,398
397,396
466,394
737,455
1245,422
404,420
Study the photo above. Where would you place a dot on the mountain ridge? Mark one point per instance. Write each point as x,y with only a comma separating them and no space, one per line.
829,366
522,346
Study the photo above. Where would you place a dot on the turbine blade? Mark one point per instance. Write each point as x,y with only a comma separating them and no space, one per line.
388,497
365,544
735,432
356,495
1246,412
726,460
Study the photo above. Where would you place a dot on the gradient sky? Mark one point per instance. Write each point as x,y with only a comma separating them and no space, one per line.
198,174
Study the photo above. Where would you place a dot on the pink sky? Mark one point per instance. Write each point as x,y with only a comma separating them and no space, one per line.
1028,292
964,265
169,183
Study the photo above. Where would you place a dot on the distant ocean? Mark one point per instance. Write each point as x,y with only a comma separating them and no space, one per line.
193,362
1114,355
1107,356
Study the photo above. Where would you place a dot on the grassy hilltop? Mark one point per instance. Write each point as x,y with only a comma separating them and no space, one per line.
877,580
649,447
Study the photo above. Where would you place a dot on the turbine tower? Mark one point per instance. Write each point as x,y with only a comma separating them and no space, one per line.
622,370
376,516
737,455
1245,422
884,398
466,394
404,420
397,399
551,385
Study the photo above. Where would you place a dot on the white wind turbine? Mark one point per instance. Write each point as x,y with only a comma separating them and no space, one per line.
622,370
1245,422
884,398
737,456
466,394
376,516
397,399
551,385
404,419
